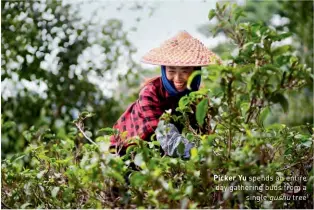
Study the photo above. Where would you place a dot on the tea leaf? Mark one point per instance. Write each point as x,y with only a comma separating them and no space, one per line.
201,111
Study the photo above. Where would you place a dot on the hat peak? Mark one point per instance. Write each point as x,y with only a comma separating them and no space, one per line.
183,35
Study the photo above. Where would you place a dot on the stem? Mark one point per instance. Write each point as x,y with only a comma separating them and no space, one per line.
250,111
119,149
192,130
229,140
47,169
230,93
209,128
39,199
91,141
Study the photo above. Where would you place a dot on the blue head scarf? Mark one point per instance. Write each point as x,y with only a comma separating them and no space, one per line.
169,86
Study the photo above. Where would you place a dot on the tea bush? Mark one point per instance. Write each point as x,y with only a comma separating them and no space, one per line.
235,147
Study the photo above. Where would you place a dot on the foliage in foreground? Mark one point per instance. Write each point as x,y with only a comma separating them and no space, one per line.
70,173
231,136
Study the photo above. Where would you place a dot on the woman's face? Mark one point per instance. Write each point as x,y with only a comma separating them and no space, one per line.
179,76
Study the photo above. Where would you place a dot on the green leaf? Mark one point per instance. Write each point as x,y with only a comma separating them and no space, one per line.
191,77
214,68
27,135
130,149
8,125
210,138
255,27
64,161
156,143
18,158
211,14
307,144
117,176
245,69
293,59
101,139
108,131
194,153
201,111
284,103
48,136
225,6
263,115
137,179
310,184
271,68
86,114
244,108
183,102
189,136
281,50
283,36
238,13
276,126
33,128
25,205
181,148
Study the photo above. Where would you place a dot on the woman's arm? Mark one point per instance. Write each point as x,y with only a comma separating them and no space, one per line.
149,110
167,134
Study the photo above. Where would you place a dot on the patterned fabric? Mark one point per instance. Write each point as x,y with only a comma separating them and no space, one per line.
141,118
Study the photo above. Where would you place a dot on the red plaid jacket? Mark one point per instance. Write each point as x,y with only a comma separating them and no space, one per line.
141,118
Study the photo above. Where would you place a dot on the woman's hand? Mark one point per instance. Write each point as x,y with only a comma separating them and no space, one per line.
171,141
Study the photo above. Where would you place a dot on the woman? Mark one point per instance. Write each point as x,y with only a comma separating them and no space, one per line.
178,57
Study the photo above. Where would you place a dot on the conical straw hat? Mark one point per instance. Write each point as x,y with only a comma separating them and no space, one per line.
181,50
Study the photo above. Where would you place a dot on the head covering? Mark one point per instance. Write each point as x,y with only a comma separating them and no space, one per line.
169,86
181,50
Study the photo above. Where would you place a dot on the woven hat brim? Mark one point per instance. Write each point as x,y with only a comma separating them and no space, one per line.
181,52
177,64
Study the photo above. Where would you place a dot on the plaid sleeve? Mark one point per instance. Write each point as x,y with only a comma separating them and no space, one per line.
149,105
